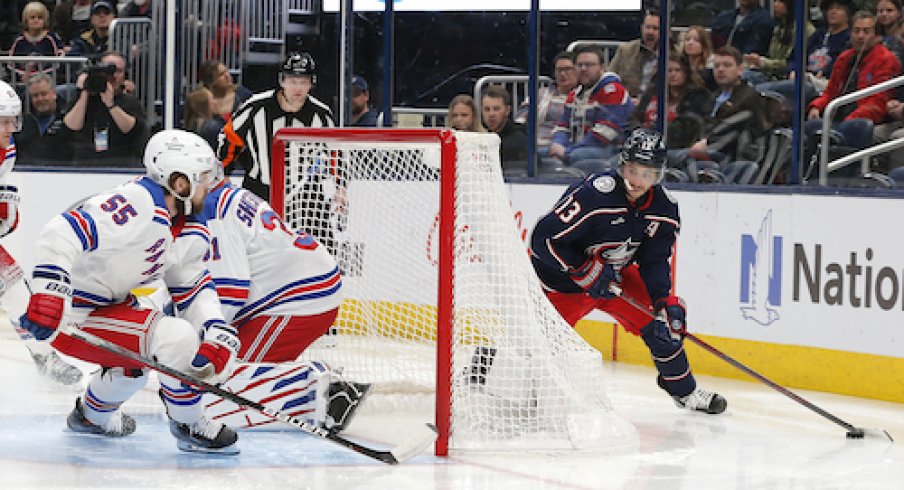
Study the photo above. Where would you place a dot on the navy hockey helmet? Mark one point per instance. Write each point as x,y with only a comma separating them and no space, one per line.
644,147
299,64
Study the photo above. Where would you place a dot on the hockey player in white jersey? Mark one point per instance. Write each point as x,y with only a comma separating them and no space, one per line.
87,262
281,290
16,292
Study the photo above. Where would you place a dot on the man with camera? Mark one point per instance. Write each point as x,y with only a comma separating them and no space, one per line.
107,126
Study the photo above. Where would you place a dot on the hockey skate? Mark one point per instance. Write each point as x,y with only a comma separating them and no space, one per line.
205,436
55,368
119,425
343,400
702,401
698,400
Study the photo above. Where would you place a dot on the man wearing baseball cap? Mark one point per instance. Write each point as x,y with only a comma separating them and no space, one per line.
93,42
361,113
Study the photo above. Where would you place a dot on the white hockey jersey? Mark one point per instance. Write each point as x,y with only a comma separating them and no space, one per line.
258,264
119,240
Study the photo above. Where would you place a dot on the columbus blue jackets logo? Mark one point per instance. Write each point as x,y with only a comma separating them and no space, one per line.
761,274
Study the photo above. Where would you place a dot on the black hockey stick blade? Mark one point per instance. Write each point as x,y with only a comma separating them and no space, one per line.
852,431
411,447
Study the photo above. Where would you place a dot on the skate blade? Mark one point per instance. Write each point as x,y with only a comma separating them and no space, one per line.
194,448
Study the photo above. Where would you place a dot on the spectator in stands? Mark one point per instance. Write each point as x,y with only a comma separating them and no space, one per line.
736,108
866,63
496,109
71,18
137,8
698,48
94,42
227,96
823,47
774,63
748,28
462,114
36,39
687,98
199,116
889,25
360,104
41,140
595,119
108,128
552,103
635,61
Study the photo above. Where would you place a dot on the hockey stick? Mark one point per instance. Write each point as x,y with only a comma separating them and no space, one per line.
411,447
852,431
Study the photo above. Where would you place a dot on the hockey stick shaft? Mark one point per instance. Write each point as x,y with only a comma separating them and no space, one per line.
854,432
394,456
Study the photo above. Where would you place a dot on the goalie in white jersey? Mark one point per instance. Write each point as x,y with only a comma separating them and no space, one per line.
281,290
89,259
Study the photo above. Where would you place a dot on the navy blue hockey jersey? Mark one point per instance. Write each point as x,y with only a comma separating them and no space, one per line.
595,217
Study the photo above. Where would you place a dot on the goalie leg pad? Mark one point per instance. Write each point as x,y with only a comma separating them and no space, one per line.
297,389
670,359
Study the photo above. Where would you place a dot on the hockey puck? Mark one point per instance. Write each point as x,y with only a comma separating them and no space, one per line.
855,433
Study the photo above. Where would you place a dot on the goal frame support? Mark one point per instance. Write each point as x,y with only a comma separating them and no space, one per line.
446,273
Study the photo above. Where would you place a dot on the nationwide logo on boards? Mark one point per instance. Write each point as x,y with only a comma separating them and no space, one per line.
821,275
761,274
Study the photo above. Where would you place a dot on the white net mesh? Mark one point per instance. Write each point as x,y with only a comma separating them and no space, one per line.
521,377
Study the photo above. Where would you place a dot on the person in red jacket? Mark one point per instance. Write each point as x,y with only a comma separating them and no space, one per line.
865,64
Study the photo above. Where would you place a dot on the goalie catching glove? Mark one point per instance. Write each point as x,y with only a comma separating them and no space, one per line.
47,306
216,353
595,277
9,209
672,312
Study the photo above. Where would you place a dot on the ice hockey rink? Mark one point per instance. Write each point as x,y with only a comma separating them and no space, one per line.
763,441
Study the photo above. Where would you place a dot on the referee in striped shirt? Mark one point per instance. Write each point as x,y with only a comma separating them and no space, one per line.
245,140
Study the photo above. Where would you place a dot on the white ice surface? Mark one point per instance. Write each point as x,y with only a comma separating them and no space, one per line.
763,441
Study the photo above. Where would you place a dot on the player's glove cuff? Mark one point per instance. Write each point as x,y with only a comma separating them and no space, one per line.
217,351
595,277
673,309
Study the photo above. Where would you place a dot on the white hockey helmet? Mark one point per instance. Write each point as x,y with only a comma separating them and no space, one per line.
176,151
10,104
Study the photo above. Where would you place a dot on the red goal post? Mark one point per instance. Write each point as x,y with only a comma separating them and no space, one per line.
440,300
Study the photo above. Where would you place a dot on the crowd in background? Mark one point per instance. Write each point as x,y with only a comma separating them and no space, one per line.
729,86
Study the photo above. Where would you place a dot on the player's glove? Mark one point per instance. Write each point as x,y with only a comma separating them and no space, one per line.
673,312
9,209
217,352
595,277
47,305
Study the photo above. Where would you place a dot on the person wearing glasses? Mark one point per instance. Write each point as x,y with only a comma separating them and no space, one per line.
595,120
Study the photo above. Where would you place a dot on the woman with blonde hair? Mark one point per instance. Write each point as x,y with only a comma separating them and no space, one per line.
463,114
36,39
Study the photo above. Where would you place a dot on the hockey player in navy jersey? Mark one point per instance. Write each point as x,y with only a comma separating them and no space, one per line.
16,293
619,230
87,262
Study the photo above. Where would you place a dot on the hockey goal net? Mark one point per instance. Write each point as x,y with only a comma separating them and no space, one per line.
440,299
